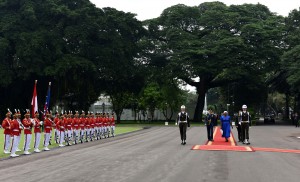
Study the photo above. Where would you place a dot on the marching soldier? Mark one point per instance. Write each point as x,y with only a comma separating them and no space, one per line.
27,132
68,121
6,125
108,124
56,129
113,124
87,127
102,125
245,120
92,125
48,124
20,129
183,122
75,126
15,132
82,126
37,132
61,126
97,125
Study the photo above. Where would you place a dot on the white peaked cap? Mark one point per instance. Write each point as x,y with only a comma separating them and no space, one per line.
182,107
244,107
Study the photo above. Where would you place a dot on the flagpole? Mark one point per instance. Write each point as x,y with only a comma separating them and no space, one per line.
34,103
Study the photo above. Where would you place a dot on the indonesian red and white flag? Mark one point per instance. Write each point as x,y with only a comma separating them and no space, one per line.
34,103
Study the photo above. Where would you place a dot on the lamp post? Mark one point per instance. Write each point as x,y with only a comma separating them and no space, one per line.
228,106
103,107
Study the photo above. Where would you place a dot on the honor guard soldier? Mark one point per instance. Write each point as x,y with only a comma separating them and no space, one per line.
108,124
102,124
48,124
113,125
87,127
37,132
56,129
28,124
82,126
20,129
245,120
183,122
15,132
68,121
238,126
75,126
92,126
61,126
97,125
6,125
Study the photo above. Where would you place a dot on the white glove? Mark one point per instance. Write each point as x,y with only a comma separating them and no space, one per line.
41,122
240,123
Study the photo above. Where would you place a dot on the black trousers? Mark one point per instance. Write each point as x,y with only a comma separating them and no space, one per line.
239,131
297,123
182,129
210,131
245,131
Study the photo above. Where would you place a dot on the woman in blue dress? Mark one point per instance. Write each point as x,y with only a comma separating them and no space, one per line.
225,124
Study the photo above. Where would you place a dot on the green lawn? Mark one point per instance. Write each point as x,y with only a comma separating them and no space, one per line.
119,130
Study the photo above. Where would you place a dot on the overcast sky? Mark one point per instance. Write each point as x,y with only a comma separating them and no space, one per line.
147,9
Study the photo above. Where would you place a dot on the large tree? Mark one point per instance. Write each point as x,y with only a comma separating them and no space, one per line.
216,44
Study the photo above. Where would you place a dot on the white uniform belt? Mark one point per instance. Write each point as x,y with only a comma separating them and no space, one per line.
15,130
27,128
48,127
76,125
81,125
183,121
245,121
69,125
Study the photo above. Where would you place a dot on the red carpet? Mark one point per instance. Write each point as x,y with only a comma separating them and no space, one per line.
276,150
219,144
219,140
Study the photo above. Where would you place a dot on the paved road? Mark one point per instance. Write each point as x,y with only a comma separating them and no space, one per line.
155,155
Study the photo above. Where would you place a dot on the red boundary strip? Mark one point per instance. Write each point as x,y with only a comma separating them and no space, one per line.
276,150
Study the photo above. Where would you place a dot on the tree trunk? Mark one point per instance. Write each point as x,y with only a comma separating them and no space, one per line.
201,90
287,106
118,118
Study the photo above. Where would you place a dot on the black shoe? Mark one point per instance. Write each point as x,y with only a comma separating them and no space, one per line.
184,143
226,140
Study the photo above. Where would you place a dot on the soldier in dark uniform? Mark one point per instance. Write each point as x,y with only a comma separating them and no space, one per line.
210,123
183,122
296,119
245,120
238,126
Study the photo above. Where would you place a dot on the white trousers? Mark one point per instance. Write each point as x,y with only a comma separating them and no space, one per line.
14,144
113,128
37,140
27,142
82,133
61,137
7,142
70,134
46,139
19,139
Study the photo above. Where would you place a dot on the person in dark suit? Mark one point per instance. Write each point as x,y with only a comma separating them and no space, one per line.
238,126
183,122
210,123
